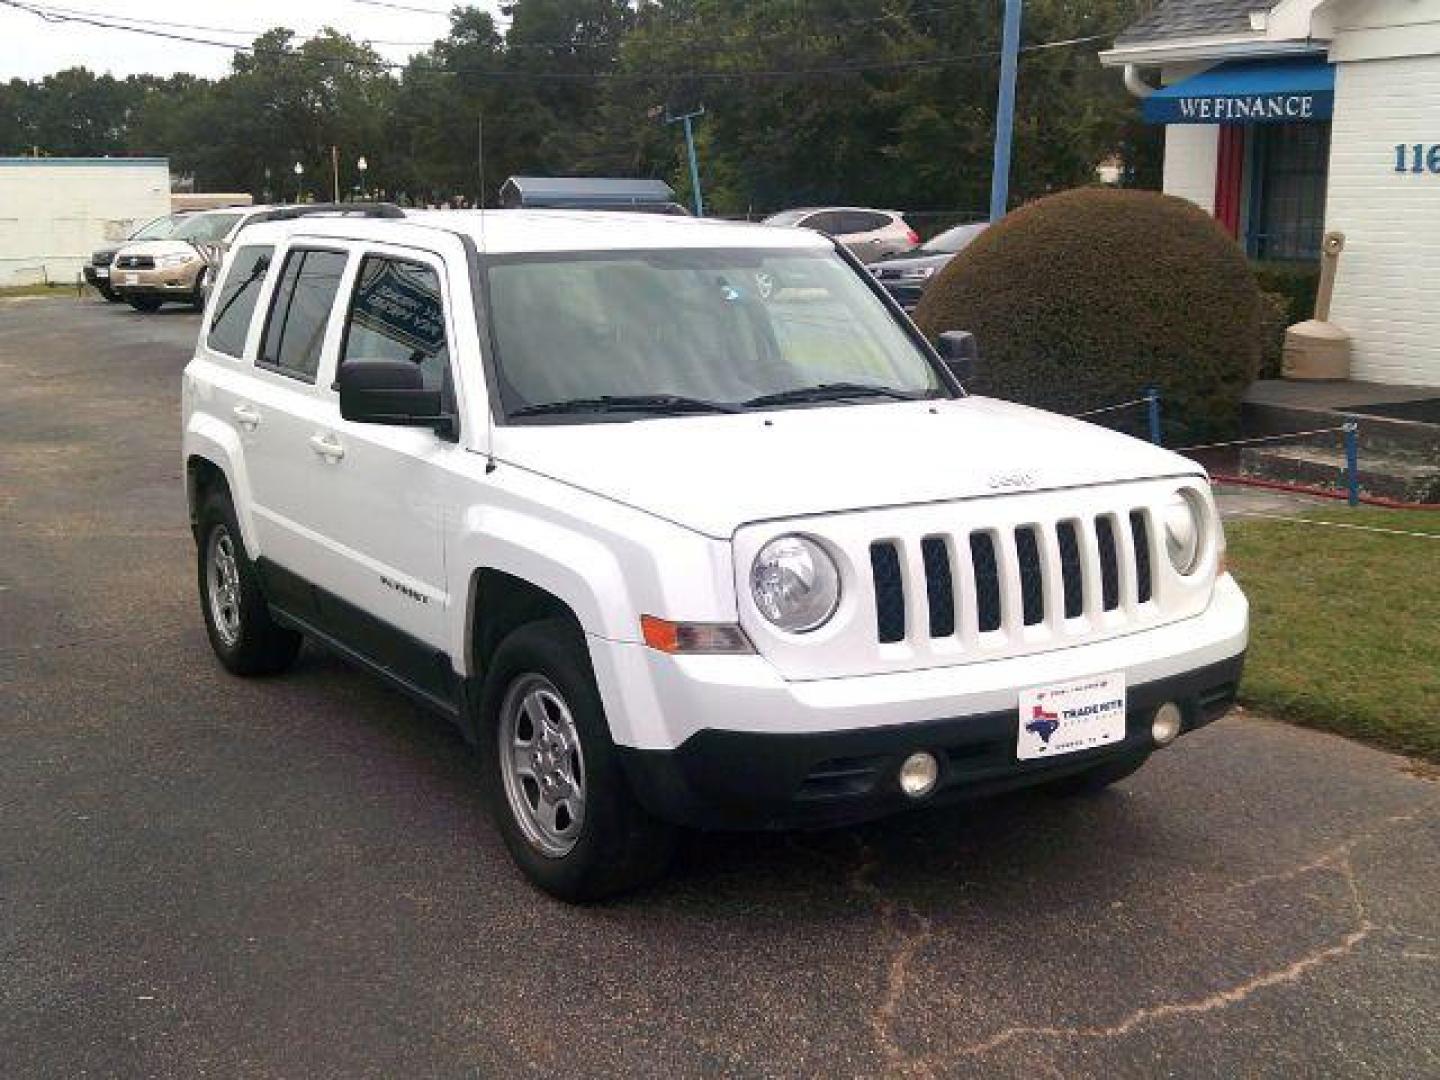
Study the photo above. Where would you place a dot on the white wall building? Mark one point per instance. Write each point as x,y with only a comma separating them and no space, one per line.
1290,119
55,211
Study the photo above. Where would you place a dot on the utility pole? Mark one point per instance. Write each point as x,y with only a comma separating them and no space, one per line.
687,120
335,172
1005,111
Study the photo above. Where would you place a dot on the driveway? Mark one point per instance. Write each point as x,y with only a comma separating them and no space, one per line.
202,876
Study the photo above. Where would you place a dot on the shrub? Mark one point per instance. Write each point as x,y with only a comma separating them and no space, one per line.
1274,318
1297,282
1084,298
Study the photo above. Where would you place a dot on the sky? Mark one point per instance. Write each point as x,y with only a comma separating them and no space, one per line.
34,47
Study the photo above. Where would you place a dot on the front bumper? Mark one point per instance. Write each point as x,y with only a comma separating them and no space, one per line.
742,780
725,741
177,282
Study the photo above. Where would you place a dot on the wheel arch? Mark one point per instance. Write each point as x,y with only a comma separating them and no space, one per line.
213,460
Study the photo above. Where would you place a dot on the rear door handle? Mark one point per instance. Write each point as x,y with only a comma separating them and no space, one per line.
327,447
246,417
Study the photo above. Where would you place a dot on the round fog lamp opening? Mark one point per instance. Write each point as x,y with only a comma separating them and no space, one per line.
918,774
795,583
1166,726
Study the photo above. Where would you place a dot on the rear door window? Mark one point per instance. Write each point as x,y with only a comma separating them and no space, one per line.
235,306
396,314
300,312
828,222
862,221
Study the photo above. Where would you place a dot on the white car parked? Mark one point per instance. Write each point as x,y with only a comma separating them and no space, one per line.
683,523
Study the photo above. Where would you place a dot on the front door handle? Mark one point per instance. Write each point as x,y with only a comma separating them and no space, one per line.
327,446
246,417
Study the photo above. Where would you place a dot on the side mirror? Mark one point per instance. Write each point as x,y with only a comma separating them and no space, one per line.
390,392
960,352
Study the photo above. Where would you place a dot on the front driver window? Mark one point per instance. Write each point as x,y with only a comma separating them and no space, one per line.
396,314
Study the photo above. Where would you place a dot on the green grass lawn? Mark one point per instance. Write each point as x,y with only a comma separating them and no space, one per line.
1345,624
7,291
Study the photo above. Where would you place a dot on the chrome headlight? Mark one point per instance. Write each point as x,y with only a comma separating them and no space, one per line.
1183,519
795,583
179,258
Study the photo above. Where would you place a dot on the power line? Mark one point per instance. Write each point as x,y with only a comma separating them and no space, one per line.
120,22
56,15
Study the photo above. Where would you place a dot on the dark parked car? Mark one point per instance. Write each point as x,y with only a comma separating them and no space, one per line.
97,271
905,276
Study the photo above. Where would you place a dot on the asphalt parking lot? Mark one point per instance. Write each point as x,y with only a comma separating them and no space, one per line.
201,876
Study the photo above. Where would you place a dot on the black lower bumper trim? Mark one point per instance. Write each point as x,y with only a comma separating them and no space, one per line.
739,780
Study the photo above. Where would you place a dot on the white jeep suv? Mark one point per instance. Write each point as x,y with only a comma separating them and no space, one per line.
684,524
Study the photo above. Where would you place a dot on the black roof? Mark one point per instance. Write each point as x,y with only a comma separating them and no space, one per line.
1191,19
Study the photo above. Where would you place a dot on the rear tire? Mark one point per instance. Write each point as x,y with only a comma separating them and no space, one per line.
108,293
552,777
237,618
1096,779
144,303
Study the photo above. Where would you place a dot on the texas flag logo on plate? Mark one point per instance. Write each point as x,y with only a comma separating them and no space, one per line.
1069,717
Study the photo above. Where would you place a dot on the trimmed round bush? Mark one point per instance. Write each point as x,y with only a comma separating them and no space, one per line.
1083,299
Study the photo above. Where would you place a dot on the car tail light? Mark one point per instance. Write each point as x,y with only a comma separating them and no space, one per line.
913,237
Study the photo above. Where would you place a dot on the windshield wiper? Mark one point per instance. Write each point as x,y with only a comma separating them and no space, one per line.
660,404
831,392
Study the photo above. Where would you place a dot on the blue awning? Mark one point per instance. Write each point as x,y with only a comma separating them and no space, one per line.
1248,92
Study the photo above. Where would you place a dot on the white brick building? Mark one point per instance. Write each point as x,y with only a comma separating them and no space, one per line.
1290,119
55,211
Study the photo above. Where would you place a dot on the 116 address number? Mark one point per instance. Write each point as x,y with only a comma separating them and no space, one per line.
1421,158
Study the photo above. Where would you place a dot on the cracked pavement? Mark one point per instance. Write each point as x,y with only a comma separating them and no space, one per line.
204,876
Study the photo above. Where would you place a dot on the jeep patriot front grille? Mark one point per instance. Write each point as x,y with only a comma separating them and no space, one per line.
989,580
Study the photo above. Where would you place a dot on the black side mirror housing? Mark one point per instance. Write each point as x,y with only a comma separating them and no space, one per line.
960,352
390,392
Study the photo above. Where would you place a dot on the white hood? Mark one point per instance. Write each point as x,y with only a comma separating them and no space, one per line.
716,473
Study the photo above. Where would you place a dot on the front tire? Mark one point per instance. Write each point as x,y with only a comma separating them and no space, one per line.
237,618
554,781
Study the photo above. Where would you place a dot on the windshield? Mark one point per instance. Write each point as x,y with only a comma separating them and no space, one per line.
952,240
206,228
716,328
785,217
159,229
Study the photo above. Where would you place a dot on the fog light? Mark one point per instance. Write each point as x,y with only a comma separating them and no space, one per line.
918,774
1166,725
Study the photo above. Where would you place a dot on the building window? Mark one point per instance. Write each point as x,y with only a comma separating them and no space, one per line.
1287,194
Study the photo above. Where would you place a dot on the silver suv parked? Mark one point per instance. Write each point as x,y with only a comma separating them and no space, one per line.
869,234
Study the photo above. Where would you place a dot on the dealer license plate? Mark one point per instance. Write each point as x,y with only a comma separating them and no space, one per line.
129,279
1072,716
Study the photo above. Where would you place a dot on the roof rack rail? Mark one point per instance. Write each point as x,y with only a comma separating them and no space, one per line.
346,209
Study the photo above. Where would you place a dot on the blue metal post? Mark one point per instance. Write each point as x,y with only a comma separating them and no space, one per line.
694,165
1352,463
1152,408
1005,111
689,150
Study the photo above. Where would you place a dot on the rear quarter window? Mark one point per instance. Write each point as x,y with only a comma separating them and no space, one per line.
235,306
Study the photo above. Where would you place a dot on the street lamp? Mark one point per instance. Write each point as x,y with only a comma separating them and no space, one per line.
362,165
299,182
